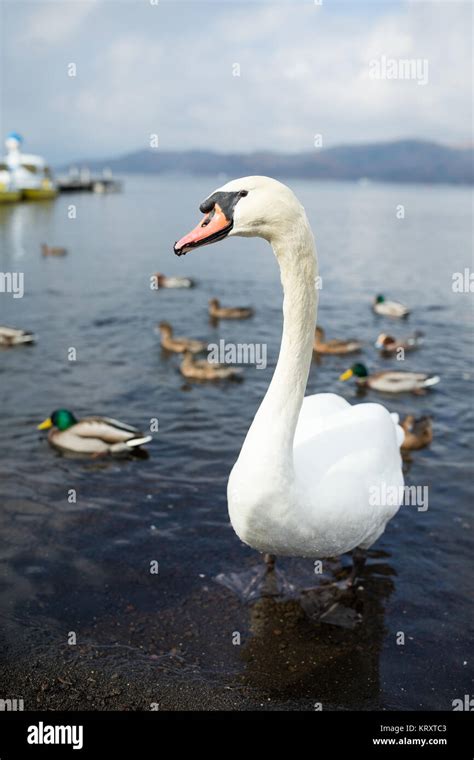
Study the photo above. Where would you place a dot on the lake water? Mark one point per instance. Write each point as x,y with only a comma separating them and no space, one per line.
84,567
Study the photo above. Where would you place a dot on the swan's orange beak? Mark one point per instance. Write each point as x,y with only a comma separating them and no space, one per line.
213,227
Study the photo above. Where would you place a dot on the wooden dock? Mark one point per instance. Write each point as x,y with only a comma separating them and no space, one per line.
82,181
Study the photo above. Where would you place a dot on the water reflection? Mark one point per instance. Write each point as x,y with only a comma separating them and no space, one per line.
323,647
17,223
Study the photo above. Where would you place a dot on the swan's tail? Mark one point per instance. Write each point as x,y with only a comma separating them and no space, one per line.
433,380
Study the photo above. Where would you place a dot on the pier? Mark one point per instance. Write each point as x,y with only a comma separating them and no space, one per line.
82,180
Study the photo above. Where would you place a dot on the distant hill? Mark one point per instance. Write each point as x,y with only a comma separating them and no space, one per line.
399,161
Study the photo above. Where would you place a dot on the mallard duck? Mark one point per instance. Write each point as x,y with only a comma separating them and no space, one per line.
389,345
217,311
391,381
418,432
91,435
178,344
173,282
334,346
202,369
389,308
48,250
11,336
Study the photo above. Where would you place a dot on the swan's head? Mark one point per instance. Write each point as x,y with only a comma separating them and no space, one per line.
250,206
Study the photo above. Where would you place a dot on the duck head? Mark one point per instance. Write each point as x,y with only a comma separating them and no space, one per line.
60,418
165,328
384,340
357,370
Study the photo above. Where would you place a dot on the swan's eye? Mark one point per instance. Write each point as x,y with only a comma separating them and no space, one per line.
243,193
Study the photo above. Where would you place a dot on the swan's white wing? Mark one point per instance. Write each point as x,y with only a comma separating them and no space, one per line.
346,457
317,414
320,412
339,430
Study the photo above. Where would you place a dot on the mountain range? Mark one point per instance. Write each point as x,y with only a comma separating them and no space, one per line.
397,161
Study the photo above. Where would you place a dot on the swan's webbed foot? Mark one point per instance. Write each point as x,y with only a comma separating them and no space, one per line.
264,580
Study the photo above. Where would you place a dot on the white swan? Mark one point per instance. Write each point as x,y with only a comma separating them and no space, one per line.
312,473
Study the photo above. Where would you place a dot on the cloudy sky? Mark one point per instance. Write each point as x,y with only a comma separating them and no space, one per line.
147,67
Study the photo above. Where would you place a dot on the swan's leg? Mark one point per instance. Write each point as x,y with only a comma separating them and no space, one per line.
270,584
359,557
269,560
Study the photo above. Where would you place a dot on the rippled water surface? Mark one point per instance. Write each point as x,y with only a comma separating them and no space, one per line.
85,566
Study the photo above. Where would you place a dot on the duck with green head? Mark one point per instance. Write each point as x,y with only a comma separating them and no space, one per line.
386,308
91,435
391,381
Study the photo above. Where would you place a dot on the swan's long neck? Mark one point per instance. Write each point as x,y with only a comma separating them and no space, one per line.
272,432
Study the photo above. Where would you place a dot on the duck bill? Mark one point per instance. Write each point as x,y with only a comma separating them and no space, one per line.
46,424
215,226
346,375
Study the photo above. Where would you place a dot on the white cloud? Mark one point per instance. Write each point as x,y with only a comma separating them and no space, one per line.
304,70
54,22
